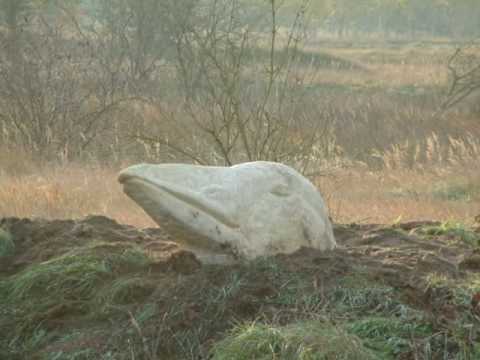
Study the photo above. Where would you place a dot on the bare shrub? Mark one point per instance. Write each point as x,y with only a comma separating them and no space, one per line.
464,69
245,93
220,82
55,96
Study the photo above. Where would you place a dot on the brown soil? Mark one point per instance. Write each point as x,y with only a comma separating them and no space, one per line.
184,296
40,240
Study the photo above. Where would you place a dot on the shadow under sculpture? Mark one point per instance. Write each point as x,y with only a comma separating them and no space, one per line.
225,213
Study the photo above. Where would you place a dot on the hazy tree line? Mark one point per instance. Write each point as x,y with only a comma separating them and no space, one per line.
182,79
409,18
210,81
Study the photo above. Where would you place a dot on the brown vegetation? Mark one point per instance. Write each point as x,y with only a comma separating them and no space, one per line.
385,158
94,288
353,195
388,129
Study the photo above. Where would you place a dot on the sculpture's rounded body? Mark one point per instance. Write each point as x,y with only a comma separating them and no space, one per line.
252,209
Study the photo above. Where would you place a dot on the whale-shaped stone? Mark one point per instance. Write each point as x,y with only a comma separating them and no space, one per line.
247,210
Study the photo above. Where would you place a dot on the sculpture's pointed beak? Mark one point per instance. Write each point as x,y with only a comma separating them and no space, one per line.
188,197
172,196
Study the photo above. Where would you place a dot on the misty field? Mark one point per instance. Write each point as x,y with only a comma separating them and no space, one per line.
353,195
423,168
376,102
402,294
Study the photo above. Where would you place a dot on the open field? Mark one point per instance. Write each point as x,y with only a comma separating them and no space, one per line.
387,158
85,274
353,195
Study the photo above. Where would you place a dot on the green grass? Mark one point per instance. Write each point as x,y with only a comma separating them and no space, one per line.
456,230
358,295
67,285
7,246
368,309
17,348
308,340
374,312
69,276
84,354
126,290
107,291
73,275
468,191
389,336
59,349
460,290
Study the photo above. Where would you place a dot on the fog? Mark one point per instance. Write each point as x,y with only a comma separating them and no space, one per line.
221,82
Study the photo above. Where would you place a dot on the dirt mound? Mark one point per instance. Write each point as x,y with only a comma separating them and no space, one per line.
94,288
37,241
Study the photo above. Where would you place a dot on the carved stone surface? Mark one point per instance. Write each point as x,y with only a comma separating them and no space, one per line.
247,210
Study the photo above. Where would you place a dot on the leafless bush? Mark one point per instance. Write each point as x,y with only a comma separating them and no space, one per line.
464,68
209,81
245,91
56,92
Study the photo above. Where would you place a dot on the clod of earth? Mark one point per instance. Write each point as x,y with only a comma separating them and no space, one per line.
247,210
96,289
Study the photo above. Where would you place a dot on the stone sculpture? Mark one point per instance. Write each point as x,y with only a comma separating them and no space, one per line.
246,210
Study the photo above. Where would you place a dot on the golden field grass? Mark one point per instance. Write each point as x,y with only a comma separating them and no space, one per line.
66,192
394,67
393,196
353,195
386,75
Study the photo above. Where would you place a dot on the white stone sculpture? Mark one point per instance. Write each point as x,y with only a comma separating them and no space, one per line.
247,210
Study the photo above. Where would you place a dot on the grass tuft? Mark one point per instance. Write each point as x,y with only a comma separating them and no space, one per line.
388,336
309,340
461,291
66,276
455,230
7,246
126,290
468,191
68,284
73,275
358,295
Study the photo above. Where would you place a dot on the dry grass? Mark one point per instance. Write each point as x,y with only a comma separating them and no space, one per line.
64,192
387,76
376,126
353,195
394,67
389,196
